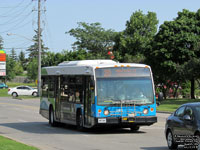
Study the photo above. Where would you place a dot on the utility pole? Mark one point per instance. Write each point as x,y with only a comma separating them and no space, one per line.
39,52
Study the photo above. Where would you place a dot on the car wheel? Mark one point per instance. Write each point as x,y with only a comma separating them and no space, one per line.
170,141
14,94
34,94
52,121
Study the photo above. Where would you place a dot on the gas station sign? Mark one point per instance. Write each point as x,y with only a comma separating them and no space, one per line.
2,63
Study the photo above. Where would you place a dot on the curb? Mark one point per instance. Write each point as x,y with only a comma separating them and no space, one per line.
164,112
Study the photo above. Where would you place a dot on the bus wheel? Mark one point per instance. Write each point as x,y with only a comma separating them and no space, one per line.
51,117
135,128
79,121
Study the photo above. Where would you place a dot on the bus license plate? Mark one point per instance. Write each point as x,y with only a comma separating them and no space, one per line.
102,120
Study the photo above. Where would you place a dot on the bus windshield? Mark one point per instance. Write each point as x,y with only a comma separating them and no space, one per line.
137,90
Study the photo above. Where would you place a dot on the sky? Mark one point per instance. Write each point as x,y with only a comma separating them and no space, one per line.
18,18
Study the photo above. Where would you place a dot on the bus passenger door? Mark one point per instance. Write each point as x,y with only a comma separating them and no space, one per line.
57,98
87,101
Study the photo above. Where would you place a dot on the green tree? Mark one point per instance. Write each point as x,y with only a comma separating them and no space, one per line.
13,54
32,69
22,60
93,37
48,59
173,46
10,71
136,39
18,69
1,42
33,49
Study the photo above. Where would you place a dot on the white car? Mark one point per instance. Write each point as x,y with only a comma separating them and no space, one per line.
22,90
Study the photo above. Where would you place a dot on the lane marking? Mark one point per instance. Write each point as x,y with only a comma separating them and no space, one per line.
20,120
23,106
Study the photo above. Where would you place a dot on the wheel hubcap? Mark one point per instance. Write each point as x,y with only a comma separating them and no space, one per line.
169,139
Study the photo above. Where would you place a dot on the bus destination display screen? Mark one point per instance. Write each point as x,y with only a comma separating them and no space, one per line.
122,72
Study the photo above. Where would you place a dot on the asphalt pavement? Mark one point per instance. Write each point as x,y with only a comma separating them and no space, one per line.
20,120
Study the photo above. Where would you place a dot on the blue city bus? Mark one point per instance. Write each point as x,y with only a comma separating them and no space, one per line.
93,93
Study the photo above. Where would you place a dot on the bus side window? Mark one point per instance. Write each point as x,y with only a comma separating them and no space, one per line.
45,86
71,96
79,89
51,88
77,96
64,92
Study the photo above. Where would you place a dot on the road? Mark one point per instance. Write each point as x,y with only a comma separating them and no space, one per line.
20,120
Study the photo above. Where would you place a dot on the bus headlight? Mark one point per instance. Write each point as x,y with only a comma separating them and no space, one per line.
106,112
145,111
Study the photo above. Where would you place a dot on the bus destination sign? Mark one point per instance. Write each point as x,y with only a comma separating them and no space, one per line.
123,72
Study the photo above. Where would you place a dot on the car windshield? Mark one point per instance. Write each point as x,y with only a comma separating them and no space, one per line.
136,90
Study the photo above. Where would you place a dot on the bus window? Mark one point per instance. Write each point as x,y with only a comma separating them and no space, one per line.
51,87
64,91
45,87
71,96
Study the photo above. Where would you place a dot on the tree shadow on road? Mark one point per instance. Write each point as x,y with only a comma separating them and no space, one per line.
45,128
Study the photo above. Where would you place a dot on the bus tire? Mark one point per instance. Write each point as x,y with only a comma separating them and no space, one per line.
79,121
52,121
135,128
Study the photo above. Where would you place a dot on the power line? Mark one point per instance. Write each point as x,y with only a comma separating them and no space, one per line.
16,48
15,28
13,20
11,9
18,20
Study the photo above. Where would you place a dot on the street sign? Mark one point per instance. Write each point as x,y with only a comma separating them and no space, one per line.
2,63
2,72
2,55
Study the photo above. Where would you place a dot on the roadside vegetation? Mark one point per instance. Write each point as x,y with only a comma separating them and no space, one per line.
8,144
12,84
170,105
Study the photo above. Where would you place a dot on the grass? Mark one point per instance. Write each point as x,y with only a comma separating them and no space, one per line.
8,144
170,105
4,93
12,84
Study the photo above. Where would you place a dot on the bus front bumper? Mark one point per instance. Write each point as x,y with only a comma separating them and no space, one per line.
126,121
